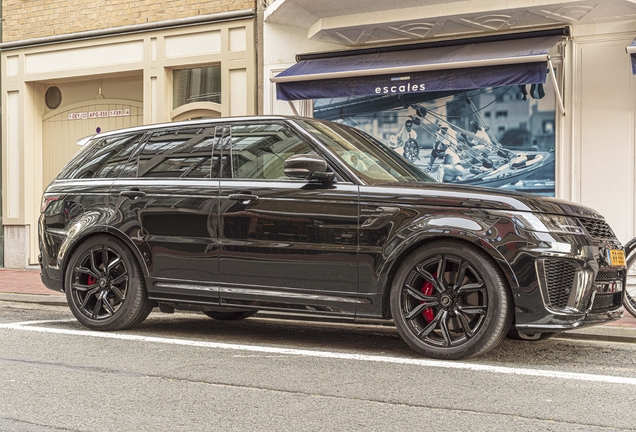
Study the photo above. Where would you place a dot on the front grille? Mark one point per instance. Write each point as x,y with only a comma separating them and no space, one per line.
598,229
559,276
606,301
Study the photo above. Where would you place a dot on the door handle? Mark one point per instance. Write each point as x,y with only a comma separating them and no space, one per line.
244,198
132,193
380,217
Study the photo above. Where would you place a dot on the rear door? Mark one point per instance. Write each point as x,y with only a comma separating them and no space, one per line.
166,201
285,243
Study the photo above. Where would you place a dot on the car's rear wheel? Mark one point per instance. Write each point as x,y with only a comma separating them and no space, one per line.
104,285
449,301
230,316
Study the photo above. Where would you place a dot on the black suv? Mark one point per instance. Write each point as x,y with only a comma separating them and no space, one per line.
232,216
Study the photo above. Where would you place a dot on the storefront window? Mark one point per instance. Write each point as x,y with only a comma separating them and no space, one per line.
196,85
500,137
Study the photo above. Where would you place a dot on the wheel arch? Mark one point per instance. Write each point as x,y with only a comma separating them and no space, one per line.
393,262
102,230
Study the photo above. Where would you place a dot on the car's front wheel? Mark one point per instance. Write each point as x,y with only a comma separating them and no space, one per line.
449,301
104,285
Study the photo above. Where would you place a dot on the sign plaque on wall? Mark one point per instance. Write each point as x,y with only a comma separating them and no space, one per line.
99,114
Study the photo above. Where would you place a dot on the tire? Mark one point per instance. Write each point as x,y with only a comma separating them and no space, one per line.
411,151
230,316
630,287
529,337
443,318
106,297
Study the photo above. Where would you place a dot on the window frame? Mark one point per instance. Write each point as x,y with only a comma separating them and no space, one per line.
302,135
93,146
135,157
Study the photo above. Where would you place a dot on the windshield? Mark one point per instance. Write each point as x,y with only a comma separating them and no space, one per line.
367,157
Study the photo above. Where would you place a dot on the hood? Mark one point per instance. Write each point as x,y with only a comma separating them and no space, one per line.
450,195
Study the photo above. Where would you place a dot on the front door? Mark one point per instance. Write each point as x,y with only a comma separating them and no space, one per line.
284,243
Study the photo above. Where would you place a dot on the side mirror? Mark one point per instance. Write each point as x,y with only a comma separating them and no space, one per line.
308,166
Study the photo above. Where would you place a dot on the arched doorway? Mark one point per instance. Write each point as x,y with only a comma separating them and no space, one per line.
61,129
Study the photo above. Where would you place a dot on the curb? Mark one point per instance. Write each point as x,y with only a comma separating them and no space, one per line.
601,333
50,300
596,333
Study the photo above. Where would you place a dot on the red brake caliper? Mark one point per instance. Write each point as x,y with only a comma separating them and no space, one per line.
91,280
427,290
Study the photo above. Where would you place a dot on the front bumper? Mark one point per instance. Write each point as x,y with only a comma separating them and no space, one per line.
566,282
558,323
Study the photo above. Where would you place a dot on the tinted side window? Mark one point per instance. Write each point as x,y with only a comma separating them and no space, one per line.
78,159
259,150
179,152
104,158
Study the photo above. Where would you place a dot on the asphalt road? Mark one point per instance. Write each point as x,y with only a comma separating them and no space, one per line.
186,372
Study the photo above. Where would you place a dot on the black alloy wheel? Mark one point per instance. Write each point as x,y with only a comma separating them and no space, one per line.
104,286
230,316
449,301
411,150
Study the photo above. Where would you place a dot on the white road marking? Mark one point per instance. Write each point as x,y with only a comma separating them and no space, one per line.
32,326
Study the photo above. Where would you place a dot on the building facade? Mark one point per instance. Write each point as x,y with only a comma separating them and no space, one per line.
580,120
74,69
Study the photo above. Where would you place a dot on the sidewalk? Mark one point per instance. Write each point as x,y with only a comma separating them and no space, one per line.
26,286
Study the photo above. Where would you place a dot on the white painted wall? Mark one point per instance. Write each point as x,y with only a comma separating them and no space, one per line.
603,124
281,43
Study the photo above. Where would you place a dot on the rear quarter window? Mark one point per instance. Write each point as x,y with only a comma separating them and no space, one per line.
102,157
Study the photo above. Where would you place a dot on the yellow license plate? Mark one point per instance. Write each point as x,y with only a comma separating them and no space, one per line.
617,257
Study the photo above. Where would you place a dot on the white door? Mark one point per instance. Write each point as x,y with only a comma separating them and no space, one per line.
61,130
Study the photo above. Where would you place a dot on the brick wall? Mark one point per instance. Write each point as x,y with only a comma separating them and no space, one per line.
27,19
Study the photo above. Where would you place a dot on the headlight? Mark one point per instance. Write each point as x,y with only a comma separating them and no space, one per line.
546,223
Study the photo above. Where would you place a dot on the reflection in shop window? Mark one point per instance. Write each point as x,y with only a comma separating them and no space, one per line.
500,138
548,127
196,85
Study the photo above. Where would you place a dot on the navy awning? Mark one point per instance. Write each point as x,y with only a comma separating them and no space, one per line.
460,66
631,50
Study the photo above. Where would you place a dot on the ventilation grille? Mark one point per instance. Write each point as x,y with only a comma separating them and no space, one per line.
598,229
609,275
606,301
559,275
53,97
